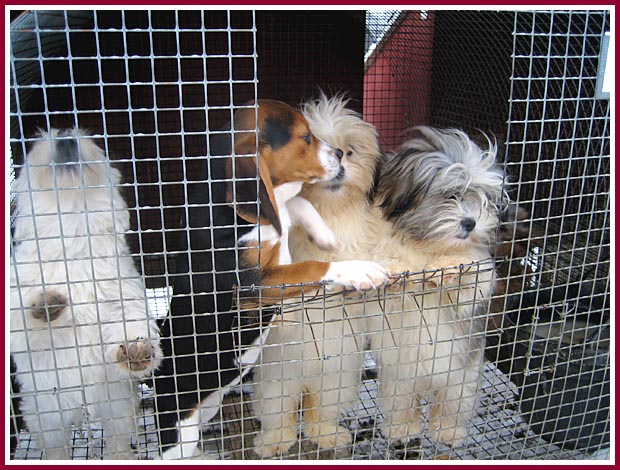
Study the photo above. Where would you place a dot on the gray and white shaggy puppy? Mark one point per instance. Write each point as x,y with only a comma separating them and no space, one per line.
80,330
443,195
431,208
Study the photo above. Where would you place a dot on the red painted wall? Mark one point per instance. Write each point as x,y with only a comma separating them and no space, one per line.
397,80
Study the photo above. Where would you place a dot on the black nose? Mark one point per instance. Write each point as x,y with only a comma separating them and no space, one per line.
468,224
339,154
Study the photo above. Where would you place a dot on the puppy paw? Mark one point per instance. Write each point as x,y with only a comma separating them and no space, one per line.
274,443
49,306
328,436
445,271
360,275
325,239
138,356
401,434
447,432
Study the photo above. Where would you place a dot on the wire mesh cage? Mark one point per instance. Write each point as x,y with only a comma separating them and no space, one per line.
498,353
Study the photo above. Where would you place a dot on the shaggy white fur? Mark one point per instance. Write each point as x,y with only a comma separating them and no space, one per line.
80,329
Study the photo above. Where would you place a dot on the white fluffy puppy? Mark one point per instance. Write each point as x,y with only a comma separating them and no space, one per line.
80,330
313,358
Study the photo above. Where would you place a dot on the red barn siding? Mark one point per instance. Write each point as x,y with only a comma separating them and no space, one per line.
397,81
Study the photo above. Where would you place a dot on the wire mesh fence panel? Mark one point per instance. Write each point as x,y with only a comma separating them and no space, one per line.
558,159
152,85
198,275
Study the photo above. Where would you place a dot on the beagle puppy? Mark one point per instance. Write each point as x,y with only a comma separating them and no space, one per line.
212,335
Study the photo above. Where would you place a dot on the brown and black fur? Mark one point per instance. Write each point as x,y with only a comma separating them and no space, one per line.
201,335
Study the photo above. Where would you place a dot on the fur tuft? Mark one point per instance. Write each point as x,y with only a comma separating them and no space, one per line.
64,159
65,178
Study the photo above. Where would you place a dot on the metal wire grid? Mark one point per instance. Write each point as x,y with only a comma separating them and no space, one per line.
397,76
443,68
540,74
91,68
149,96
499,430
558,153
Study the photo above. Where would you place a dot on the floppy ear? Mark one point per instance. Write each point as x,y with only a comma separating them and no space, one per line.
246,191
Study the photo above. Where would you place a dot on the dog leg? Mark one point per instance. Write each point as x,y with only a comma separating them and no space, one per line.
334,388
277,408
278,435
117,433
402,419
401,416
416,418
50,434
446,423
303,213
321,413
121,426
189,436
452,408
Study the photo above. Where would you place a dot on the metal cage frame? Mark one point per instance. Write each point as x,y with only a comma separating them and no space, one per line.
152,86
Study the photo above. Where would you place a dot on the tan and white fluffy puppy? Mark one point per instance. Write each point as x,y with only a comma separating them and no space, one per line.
80,330
435,209
312,354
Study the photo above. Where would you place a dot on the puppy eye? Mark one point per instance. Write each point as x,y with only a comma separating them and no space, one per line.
307,138
349,153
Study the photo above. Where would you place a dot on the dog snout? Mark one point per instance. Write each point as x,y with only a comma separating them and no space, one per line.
331,159
468,224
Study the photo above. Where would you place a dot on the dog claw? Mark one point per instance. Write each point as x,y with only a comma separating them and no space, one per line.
361,275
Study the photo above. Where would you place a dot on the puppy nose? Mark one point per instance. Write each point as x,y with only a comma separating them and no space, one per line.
468,224
339,154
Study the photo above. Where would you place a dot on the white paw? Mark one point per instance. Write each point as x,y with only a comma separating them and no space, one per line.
447,431
324,239
328,436
361,275
139,356
277,442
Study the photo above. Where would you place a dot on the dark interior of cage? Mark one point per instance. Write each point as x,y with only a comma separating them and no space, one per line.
554,303
550,317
